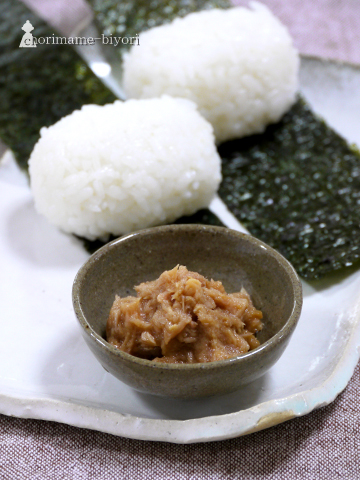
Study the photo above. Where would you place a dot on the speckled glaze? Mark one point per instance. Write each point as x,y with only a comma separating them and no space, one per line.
236,259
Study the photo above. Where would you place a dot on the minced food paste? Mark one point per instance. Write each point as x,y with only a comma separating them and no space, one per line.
184,318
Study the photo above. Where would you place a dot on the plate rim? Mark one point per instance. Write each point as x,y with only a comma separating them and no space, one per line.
230,425
150,429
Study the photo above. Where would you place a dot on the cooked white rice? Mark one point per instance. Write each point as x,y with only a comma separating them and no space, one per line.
125,166
239,65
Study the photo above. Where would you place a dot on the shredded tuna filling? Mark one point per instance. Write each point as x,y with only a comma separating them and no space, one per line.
184,318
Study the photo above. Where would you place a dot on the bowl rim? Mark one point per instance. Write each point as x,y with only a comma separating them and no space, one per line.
283,333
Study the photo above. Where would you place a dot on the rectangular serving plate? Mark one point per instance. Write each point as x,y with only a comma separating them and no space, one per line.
49,373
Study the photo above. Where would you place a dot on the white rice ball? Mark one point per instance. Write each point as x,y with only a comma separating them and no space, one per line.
239,65
124,166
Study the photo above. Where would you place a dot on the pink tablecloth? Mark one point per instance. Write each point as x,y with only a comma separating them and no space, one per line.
322,445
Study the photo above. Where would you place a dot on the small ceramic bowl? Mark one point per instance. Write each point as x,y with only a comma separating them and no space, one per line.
236,259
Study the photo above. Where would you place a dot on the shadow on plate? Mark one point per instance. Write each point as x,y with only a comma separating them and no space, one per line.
36,241
341,279
69,372
179,409
333,278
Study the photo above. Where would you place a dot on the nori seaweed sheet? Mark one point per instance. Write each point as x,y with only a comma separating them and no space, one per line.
130,17
38,86
297,187
202,217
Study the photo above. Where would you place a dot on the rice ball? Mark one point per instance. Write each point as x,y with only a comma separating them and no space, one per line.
239,65
124,166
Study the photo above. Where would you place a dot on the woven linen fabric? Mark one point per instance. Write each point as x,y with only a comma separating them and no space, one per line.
323,445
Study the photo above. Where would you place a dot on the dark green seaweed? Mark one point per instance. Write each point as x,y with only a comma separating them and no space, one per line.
202,217
92,245
297,187
38,86
130,17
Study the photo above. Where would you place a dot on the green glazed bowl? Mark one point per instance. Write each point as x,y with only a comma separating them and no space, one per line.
236,259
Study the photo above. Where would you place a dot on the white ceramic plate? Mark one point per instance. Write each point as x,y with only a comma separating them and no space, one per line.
48,372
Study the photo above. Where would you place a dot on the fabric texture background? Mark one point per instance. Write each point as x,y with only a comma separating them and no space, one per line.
322,445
